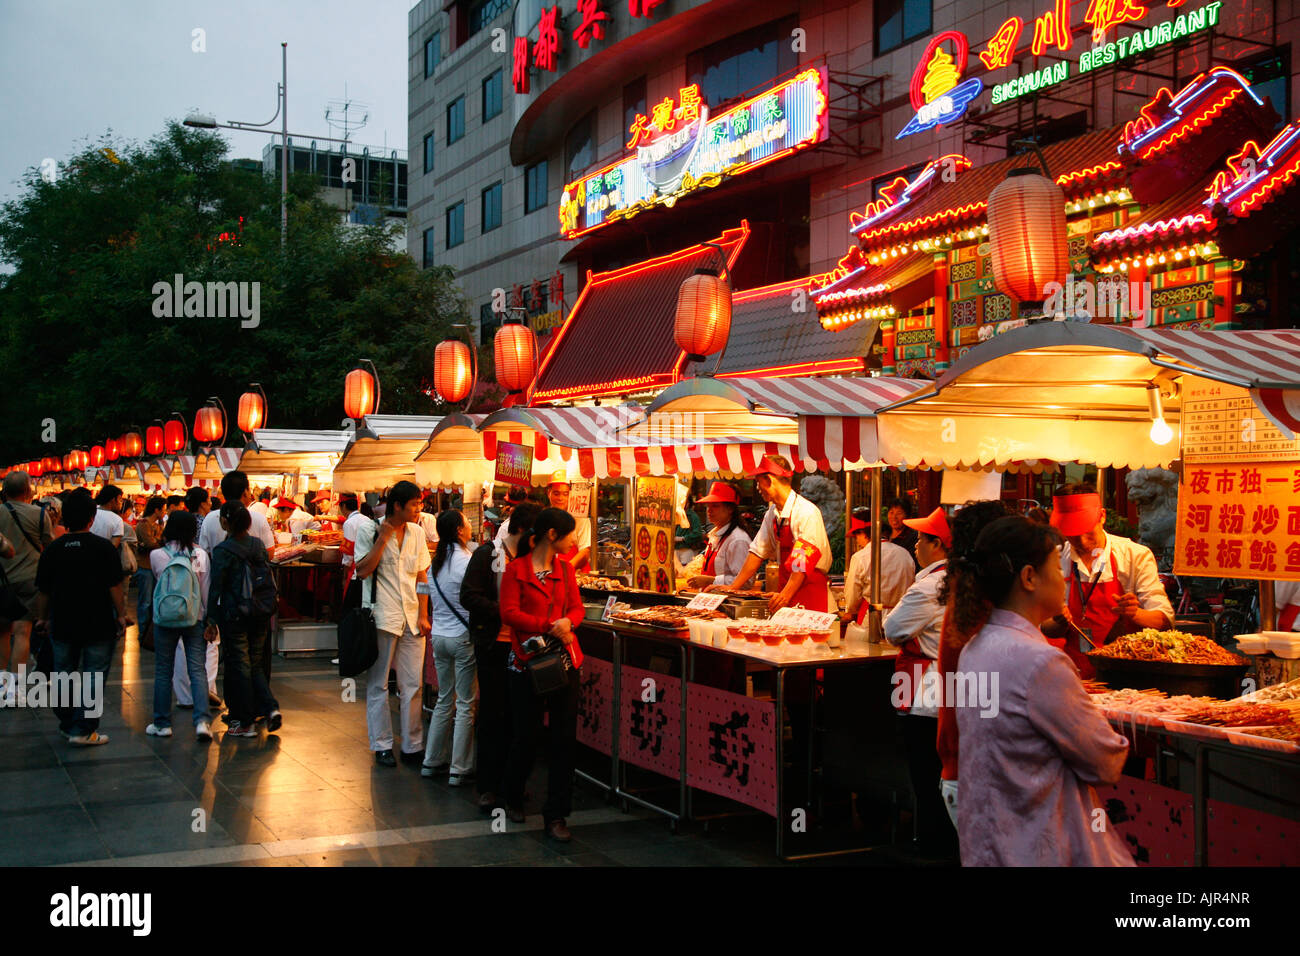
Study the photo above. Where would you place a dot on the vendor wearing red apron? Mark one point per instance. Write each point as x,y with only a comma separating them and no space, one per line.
1112,583
793,533
728,545
580,553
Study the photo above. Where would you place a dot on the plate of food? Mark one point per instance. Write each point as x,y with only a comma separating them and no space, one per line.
643,544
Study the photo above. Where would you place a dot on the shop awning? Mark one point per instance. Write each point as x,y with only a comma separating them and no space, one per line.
452,457
619,336
280,451
206,470
1069,391
384,452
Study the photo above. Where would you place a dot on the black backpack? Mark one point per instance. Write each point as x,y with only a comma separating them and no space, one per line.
255,595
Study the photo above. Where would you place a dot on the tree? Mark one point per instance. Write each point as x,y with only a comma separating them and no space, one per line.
81,340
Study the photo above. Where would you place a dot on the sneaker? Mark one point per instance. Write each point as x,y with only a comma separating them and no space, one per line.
459,779
236,729
92,739
429,771
203,731
335,662
274,722
153,730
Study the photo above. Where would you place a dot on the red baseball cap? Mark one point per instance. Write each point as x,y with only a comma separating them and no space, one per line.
934,524
322,495
768,466
284,503
1076,514
720,493
858,525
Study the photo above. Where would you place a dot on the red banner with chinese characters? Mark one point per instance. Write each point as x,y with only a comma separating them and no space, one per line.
1239,521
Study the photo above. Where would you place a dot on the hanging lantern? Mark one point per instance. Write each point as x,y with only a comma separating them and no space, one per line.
67,462
453,374
703,321
174,436
50,464
252,410
97,456
209,424
111,451
360,393
80,459
130,444
515,352
153,438
34,468
1027,236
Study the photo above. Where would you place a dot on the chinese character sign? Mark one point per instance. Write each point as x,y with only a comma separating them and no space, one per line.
1239,521
653,526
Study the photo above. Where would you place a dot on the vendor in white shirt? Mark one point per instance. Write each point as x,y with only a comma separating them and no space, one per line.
728,544
262,506
794,535
897,572
1112,583
557,492
289,517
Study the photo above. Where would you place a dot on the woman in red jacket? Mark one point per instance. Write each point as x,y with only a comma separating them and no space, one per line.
541,606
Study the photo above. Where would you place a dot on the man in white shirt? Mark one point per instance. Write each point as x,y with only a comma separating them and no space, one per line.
108,522
897,572
234,487
262,506
395,552
557,492
289,517
352,522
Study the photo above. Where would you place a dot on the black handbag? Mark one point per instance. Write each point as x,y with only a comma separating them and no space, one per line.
11,607
359,636
548,669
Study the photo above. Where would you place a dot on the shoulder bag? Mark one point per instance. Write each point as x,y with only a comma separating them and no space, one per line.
548,668
358,635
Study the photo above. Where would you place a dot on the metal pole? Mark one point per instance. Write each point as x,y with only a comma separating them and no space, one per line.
284,143
875,632
1267,606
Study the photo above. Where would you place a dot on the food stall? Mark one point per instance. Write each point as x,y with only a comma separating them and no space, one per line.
309,573
383,452
1225,763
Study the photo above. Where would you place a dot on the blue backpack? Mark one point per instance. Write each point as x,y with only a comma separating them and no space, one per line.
176,598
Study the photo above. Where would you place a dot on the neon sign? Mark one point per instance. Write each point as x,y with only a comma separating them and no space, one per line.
936,94
1166,118
899,194
1256,175
680,148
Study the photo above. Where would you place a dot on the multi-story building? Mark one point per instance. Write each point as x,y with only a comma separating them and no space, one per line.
370,189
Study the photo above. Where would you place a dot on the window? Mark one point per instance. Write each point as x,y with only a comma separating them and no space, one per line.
455,225
901,21
738,64
432,53
579,147
633,102
455,119
535,187
428,153
492,96
492,207
428,248
1269,75
483,12
488,323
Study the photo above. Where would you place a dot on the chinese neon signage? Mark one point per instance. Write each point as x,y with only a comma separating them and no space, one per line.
545,53
680,148
937,95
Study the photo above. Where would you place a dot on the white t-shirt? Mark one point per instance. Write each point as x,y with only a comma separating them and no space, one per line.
259,508
396,604
806,524
300,520
107,524
350,528
730,557
159,557
897,572
212,534
443,621
430,525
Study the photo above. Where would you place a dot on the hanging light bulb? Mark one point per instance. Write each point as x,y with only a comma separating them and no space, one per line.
1161,433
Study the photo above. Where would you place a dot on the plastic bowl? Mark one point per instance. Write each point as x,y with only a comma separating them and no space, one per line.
820,637
772,638
796,637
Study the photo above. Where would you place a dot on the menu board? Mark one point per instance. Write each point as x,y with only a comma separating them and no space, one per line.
514,464
1221,423
580,499
1239,521
653,524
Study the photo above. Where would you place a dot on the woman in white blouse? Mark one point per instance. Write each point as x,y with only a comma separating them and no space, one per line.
453,654
728,544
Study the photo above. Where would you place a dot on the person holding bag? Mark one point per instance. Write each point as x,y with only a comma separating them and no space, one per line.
541,605
453,654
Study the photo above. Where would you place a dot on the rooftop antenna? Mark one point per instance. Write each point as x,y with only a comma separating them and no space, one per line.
346,116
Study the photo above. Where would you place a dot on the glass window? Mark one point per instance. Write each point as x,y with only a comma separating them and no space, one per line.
428,248
428,153
432,53
744,62
455,119
535,187
488,322
483,12
455,225
579,147
633,102
901,21
492,95
492,207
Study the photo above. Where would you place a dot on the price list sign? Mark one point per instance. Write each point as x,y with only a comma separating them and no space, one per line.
1221,423
1239,521
652,534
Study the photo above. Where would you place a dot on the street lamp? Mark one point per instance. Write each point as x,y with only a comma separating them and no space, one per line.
206,121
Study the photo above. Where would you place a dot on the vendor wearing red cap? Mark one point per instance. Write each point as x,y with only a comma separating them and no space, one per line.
728,546
322,501
557,492
897,572
289,517
1112,583
794,534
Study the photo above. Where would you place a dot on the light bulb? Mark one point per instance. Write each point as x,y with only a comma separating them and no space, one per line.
1161,433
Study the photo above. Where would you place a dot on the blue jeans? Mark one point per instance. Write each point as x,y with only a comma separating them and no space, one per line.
165,641
90,660
144,582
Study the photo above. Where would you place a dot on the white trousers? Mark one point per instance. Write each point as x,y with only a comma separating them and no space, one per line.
458,684
181,677
404,654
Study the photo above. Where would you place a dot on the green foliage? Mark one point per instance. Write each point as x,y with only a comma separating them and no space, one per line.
79,341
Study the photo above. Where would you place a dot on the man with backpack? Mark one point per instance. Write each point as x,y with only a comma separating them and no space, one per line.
241,601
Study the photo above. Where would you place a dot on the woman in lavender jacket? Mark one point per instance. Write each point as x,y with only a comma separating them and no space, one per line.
1034,747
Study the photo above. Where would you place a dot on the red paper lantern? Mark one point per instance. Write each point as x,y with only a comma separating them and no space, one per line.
153,439
34,468
130,444
209,425
80,459
359,394
252,411
515,352
453,375
51,464
174,436
1027,235
111,451
97,456
67,462
703,321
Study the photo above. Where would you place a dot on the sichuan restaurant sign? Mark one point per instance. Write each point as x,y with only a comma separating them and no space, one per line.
680,148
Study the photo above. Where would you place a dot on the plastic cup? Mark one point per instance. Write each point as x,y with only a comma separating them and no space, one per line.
820,637
772,637
751,635
796,636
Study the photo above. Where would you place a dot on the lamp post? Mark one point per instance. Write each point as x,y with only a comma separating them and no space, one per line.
202,121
